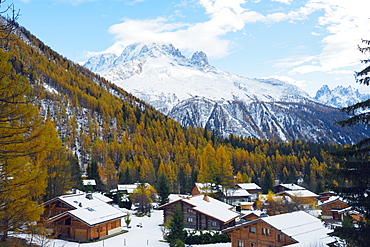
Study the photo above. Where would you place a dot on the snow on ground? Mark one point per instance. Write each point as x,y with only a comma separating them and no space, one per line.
149,234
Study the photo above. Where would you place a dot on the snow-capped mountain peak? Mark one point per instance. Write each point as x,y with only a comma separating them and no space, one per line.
195,93
149,49
340,96
199,59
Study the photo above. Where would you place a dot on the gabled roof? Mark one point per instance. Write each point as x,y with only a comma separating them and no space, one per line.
331,200
237,193
208,206
90,211
291,186
208,187
249,186
299,193
300,226
129,187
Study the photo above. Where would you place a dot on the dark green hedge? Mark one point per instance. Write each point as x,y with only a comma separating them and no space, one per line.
201,237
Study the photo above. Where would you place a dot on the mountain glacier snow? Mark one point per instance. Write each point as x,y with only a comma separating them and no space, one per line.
197,94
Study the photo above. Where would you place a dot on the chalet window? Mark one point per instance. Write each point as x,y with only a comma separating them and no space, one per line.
240,243
265,231
252,229
190,210
190,220
214,223
253,245
68,221
280,238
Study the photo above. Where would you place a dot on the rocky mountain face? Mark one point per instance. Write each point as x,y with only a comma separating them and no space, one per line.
194,93
340,96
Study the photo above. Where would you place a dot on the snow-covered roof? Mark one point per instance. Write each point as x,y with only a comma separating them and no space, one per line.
306,229
237,193
102,197
301,226
299,193
255,212
129,187
249,186
246,203
209,206
208,187
291,186
91,211
89,182
331,200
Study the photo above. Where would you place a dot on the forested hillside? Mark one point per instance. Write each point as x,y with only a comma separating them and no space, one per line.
125,140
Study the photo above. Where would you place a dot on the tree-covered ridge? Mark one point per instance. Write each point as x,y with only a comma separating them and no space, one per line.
129,141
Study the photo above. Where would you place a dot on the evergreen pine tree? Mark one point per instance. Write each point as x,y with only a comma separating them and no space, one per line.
354,172
163,188
93,173
176,226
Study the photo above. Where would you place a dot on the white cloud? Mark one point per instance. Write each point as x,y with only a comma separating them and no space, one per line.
225,16
294,61
346,22
341,25
135,2
283,1
75,2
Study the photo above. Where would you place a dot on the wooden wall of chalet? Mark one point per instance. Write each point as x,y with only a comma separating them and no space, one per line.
55,208
194,219
248,237
69,227
195,191
327,212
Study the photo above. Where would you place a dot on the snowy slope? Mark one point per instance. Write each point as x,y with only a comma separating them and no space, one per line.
197,94
153,72
340,96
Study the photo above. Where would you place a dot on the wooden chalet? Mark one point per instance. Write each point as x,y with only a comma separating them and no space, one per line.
287,187
82,217
330,209
202,212
296,229
236,196
307,196
324,196
205,189
252,188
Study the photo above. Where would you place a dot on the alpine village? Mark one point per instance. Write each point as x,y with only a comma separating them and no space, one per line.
85,163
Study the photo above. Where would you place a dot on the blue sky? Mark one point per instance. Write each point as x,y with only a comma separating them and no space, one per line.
306,42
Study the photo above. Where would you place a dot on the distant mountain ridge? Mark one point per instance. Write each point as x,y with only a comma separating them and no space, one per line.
340,96
195,93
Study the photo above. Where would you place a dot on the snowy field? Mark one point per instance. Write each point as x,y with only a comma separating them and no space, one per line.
149,234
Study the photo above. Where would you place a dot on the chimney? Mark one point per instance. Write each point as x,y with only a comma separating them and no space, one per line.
205,198
89,196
